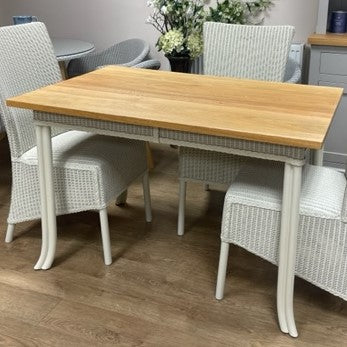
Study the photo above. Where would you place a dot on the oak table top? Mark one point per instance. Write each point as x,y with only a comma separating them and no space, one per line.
279,113
328,39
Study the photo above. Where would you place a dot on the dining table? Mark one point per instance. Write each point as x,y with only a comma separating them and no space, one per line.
267,120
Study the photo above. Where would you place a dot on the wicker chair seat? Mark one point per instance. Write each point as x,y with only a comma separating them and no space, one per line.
90,171
252,214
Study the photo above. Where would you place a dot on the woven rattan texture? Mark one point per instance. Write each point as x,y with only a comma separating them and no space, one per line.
247,51
148,64
127,53
223,167
87,123
260,185
226,142
89,172
17,76
292,73
256,52
251,219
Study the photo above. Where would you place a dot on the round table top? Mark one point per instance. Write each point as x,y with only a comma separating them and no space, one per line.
66,49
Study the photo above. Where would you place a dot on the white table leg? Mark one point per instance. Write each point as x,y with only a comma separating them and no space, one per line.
282,263
294,225
44,245
287,253
50,196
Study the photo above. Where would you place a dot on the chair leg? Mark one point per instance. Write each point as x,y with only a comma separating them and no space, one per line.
222,270
147,197
9,233
122,199
181,207
105,235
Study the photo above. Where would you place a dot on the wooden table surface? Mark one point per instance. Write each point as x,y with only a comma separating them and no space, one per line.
328,39
279,113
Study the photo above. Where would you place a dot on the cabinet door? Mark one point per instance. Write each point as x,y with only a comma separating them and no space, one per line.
328,67
335,150
333,64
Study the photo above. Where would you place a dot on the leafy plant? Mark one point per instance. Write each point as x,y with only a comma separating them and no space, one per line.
180,22
238,11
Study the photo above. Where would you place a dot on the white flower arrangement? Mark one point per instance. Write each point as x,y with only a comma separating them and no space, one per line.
180,22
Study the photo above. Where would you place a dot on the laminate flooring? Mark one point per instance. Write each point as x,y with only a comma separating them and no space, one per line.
159,291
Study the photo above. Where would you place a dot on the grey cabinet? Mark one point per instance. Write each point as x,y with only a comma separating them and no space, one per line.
328,67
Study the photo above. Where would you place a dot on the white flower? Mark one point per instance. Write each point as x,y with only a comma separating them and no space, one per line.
149,20
171,42
190,11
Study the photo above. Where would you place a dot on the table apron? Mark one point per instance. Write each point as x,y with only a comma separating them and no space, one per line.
157,135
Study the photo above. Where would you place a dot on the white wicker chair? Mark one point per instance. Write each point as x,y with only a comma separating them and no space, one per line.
292,73
89,170
252,214
243,51
128,53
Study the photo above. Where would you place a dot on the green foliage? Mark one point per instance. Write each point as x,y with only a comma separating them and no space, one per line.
180,22
238,11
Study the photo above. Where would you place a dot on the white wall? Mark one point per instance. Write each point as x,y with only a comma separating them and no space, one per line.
302,14
3,14
107,21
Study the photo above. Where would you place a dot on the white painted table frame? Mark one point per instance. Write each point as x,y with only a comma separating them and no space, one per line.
290,208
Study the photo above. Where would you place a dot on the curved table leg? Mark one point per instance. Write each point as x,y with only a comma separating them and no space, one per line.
294,225
287,253
282,262
44,226
48,214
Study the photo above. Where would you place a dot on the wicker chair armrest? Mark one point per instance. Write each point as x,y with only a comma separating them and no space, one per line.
127,53
148,64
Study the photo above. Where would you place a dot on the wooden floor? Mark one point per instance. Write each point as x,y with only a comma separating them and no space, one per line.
159,291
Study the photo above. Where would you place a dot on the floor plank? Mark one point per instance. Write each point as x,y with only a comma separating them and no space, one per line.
159,289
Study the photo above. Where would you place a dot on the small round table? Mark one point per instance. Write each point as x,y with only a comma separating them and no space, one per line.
67,49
